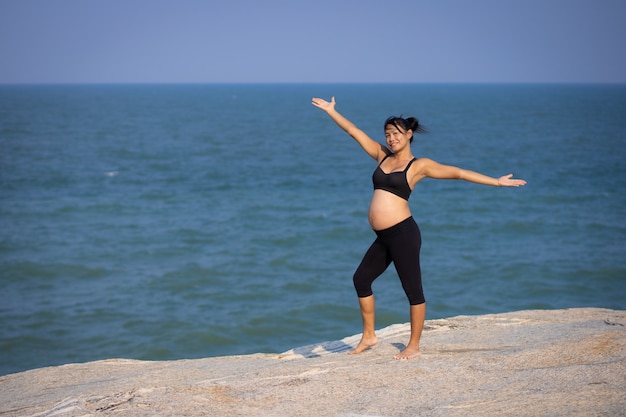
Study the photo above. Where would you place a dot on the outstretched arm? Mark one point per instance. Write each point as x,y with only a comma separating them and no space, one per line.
432,169
369,145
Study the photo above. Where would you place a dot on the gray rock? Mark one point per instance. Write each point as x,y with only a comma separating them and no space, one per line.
526,363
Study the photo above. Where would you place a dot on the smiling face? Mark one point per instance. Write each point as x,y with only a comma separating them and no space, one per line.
397,138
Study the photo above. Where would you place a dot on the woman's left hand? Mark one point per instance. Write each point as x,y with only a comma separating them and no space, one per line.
507,181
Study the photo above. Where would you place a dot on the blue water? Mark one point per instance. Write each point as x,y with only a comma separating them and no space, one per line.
183,221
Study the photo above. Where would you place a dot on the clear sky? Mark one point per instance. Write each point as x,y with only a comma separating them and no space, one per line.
213,41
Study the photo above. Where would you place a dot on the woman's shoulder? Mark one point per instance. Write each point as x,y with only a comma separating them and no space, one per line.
422,162
383,154
418,169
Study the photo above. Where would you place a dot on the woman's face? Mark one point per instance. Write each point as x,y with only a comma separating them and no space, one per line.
396,138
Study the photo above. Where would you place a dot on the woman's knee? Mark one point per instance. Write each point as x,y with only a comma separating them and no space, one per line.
362,284
416,299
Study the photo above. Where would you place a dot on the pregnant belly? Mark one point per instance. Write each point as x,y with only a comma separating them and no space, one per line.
387,209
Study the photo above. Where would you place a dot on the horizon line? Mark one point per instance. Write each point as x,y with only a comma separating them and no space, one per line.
198,83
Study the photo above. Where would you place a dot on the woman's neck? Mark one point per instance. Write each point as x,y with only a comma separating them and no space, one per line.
404,154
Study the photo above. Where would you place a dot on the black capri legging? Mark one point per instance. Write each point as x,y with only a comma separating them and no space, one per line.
401,244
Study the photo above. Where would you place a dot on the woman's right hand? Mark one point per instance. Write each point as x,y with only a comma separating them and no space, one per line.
320,103
373,148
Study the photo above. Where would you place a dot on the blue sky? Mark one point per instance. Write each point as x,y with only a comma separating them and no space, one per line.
213,41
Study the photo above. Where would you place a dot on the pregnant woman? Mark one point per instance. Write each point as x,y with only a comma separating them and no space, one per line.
398,236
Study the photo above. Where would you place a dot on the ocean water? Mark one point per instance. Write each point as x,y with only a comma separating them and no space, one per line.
163,222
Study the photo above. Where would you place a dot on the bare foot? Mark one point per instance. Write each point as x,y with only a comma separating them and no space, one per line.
408,353
365,344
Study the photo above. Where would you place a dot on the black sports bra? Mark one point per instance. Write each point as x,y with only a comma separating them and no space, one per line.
394,182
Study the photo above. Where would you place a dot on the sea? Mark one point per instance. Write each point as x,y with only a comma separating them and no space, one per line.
181,221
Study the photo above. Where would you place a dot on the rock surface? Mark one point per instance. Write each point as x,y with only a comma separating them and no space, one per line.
526,363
